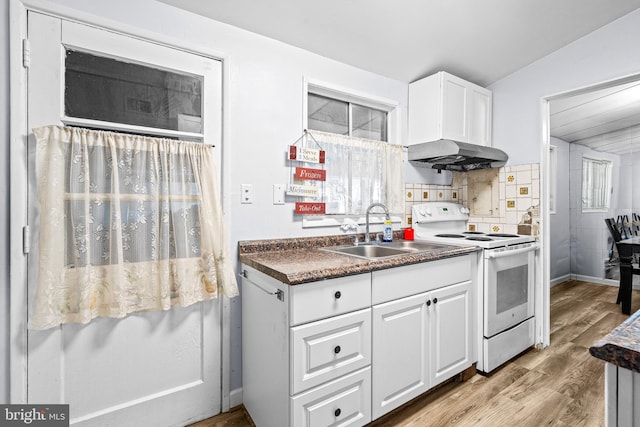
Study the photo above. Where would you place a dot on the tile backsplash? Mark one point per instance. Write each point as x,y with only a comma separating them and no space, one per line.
514,189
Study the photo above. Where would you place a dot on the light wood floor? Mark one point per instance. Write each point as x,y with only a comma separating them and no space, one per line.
562,385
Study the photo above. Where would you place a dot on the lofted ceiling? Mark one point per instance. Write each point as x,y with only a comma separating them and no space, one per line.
480,41
606,119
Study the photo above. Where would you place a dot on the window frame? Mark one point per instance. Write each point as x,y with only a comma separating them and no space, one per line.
609,185
392,108
366,100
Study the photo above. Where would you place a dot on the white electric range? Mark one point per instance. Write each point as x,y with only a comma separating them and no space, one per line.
506,293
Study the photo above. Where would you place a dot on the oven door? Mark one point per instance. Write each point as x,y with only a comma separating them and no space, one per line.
508,287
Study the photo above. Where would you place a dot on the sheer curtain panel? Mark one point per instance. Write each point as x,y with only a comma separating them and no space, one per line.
360,172
127,223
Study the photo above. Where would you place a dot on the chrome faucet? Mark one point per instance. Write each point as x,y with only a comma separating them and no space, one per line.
367,239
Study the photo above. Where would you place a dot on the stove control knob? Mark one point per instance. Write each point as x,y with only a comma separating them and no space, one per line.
429,212
422,212
464,210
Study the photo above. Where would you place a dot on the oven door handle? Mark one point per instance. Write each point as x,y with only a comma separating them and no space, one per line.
511,252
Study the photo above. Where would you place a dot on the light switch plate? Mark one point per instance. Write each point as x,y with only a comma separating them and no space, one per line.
278,194
246,195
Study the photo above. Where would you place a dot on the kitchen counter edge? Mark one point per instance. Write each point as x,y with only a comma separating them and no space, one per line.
621,347
300,260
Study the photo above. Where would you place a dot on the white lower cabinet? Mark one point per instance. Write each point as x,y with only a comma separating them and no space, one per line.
419,342
342,352
401,343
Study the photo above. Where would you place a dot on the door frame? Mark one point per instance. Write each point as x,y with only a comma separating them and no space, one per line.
545,175
18,178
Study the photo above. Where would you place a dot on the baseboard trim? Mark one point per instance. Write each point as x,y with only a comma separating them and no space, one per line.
608,282
558,280
235,397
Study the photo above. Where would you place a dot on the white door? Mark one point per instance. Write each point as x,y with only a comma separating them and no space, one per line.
148,369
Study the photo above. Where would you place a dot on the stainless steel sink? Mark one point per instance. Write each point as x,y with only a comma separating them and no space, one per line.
368,251
385,250
414,246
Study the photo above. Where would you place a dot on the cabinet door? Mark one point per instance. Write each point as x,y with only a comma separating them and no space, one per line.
455,108
400,356
451,331
480,118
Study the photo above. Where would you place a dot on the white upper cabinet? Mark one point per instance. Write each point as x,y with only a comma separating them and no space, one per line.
443,106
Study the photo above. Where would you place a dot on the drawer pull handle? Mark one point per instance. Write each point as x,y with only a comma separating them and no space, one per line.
337,349
338,294
337,412
428,302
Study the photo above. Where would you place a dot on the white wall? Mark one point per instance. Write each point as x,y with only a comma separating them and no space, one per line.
605,54
560,250
264,113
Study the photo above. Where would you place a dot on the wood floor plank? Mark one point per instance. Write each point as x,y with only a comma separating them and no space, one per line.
559,386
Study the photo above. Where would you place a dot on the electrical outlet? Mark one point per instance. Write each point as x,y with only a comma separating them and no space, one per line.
246,195
278,194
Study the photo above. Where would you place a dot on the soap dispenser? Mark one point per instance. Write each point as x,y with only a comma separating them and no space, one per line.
387,235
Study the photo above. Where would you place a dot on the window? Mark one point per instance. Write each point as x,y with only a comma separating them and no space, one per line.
133,94
596,184
362,165
346,118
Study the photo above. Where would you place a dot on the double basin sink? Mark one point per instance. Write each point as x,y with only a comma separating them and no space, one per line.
384,250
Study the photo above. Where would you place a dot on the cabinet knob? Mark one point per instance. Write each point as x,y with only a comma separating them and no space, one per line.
337,349
337,412
337,295
428,302
435,300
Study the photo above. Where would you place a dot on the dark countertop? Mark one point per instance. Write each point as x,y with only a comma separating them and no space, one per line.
621,346
300,260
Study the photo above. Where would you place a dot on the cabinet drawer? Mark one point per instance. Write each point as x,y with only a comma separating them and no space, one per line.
400,282
318,300
344,402
324,350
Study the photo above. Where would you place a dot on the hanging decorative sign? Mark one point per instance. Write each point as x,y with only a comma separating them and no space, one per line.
307,208
302,154
311,174
302,190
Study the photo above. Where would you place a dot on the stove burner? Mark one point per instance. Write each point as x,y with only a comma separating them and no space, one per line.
502,235
479,238
458,236
473,232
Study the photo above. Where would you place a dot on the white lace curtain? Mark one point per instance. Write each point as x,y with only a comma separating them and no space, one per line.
127,223
360,172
